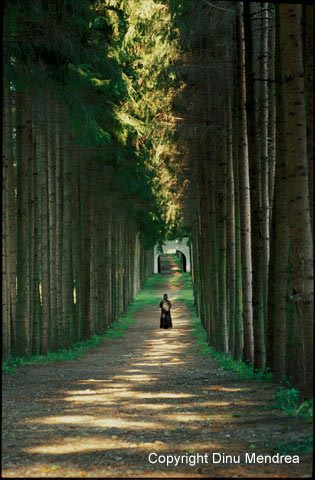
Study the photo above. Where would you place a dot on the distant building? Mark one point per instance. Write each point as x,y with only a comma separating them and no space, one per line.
178,247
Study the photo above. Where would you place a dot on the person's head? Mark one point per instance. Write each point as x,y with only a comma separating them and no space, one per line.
165,296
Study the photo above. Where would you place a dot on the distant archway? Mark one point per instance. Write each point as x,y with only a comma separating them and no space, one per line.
159,264
173,247
183,259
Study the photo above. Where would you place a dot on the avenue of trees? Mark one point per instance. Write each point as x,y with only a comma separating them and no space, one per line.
246,130
130,121
82,208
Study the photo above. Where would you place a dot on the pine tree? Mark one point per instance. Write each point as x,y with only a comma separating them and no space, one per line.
244,195
301,245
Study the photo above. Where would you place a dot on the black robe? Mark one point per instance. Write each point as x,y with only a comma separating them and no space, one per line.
166,319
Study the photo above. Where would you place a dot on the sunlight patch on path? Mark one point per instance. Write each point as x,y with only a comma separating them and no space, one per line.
149,391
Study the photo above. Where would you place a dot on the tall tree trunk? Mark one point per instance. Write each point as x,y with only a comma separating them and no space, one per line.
31,231
93,311
51,164
67,270
45,260
281,251
271,108
277,315
309,90
222,271
256,143
37,314
101,265
23,274
114,267
120,256
77,242
108,267
59,227
230,232
86,244
6,314
239,327
301,254
205,313
264,179
9,228
6,320
244,194
214,266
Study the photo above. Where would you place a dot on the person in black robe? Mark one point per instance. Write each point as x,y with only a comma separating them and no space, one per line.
166,319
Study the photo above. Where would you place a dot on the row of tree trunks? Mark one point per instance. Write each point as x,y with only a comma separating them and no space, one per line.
300,234
251,221
72,262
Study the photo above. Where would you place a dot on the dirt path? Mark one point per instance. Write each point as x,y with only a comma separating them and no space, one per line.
148,391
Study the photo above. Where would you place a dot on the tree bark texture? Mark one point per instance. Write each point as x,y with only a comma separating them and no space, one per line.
301,244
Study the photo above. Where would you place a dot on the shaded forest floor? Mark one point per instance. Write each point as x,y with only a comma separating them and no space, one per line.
148,391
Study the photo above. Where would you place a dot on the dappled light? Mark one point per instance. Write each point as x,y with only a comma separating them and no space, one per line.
157,239
127,399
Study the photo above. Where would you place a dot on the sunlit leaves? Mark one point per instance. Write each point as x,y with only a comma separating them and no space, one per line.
108,63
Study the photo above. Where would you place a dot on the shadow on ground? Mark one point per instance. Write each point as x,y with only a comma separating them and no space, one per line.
149,391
